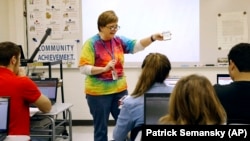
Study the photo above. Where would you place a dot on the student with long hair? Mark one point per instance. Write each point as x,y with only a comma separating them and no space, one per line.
155,69
194,102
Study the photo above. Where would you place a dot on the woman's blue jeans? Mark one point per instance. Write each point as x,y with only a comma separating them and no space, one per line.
100,108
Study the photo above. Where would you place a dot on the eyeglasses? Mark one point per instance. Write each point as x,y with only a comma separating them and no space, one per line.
113,27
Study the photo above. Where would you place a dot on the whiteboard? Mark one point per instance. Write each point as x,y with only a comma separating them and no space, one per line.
194,40
193,24
142,18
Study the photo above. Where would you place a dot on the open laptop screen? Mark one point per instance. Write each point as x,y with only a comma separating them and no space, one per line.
224,79
155,106
4,116
171,81
22,53
47,87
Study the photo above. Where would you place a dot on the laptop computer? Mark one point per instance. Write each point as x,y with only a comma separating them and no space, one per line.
23,59
171,81
155,106
22,53
4,117
223,79
48,87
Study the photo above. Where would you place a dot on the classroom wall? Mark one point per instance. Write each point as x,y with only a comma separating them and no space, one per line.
4,34
12,28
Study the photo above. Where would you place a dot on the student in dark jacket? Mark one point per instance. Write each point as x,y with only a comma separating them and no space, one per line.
235,97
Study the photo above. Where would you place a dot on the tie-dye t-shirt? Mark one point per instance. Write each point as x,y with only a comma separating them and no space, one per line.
97,52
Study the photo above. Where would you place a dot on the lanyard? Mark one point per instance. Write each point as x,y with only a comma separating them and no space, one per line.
111,53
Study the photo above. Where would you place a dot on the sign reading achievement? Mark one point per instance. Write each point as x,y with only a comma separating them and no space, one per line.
58,51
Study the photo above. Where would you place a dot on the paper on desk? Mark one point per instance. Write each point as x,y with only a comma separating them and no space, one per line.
33,111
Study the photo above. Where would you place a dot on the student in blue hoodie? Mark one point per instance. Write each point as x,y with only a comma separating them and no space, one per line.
155,69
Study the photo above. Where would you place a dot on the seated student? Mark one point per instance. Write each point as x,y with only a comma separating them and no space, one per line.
21,89
194,102
155,69
235,97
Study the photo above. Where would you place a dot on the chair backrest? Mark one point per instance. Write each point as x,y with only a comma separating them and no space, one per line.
238,121
155,102
238,124
135,132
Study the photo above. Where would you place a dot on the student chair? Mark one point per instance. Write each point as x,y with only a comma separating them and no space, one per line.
135,134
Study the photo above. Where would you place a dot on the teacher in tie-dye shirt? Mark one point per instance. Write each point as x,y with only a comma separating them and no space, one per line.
102,60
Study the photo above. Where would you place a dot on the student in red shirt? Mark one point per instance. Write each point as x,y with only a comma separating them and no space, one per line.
21,89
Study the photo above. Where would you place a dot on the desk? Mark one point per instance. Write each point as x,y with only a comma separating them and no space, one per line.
17,138
54,123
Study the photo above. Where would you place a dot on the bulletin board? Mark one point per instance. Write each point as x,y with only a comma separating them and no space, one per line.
64,19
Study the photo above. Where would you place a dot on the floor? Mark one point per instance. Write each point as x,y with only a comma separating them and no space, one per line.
85,133
82,133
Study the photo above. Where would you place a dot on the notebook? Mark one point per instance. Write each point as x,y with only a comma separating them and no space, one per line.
155,106
4,116
223,79
48,87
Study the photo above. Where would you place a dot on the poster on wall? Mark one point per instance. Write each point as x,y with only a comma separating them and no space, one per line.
63,18
232,28
58,50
